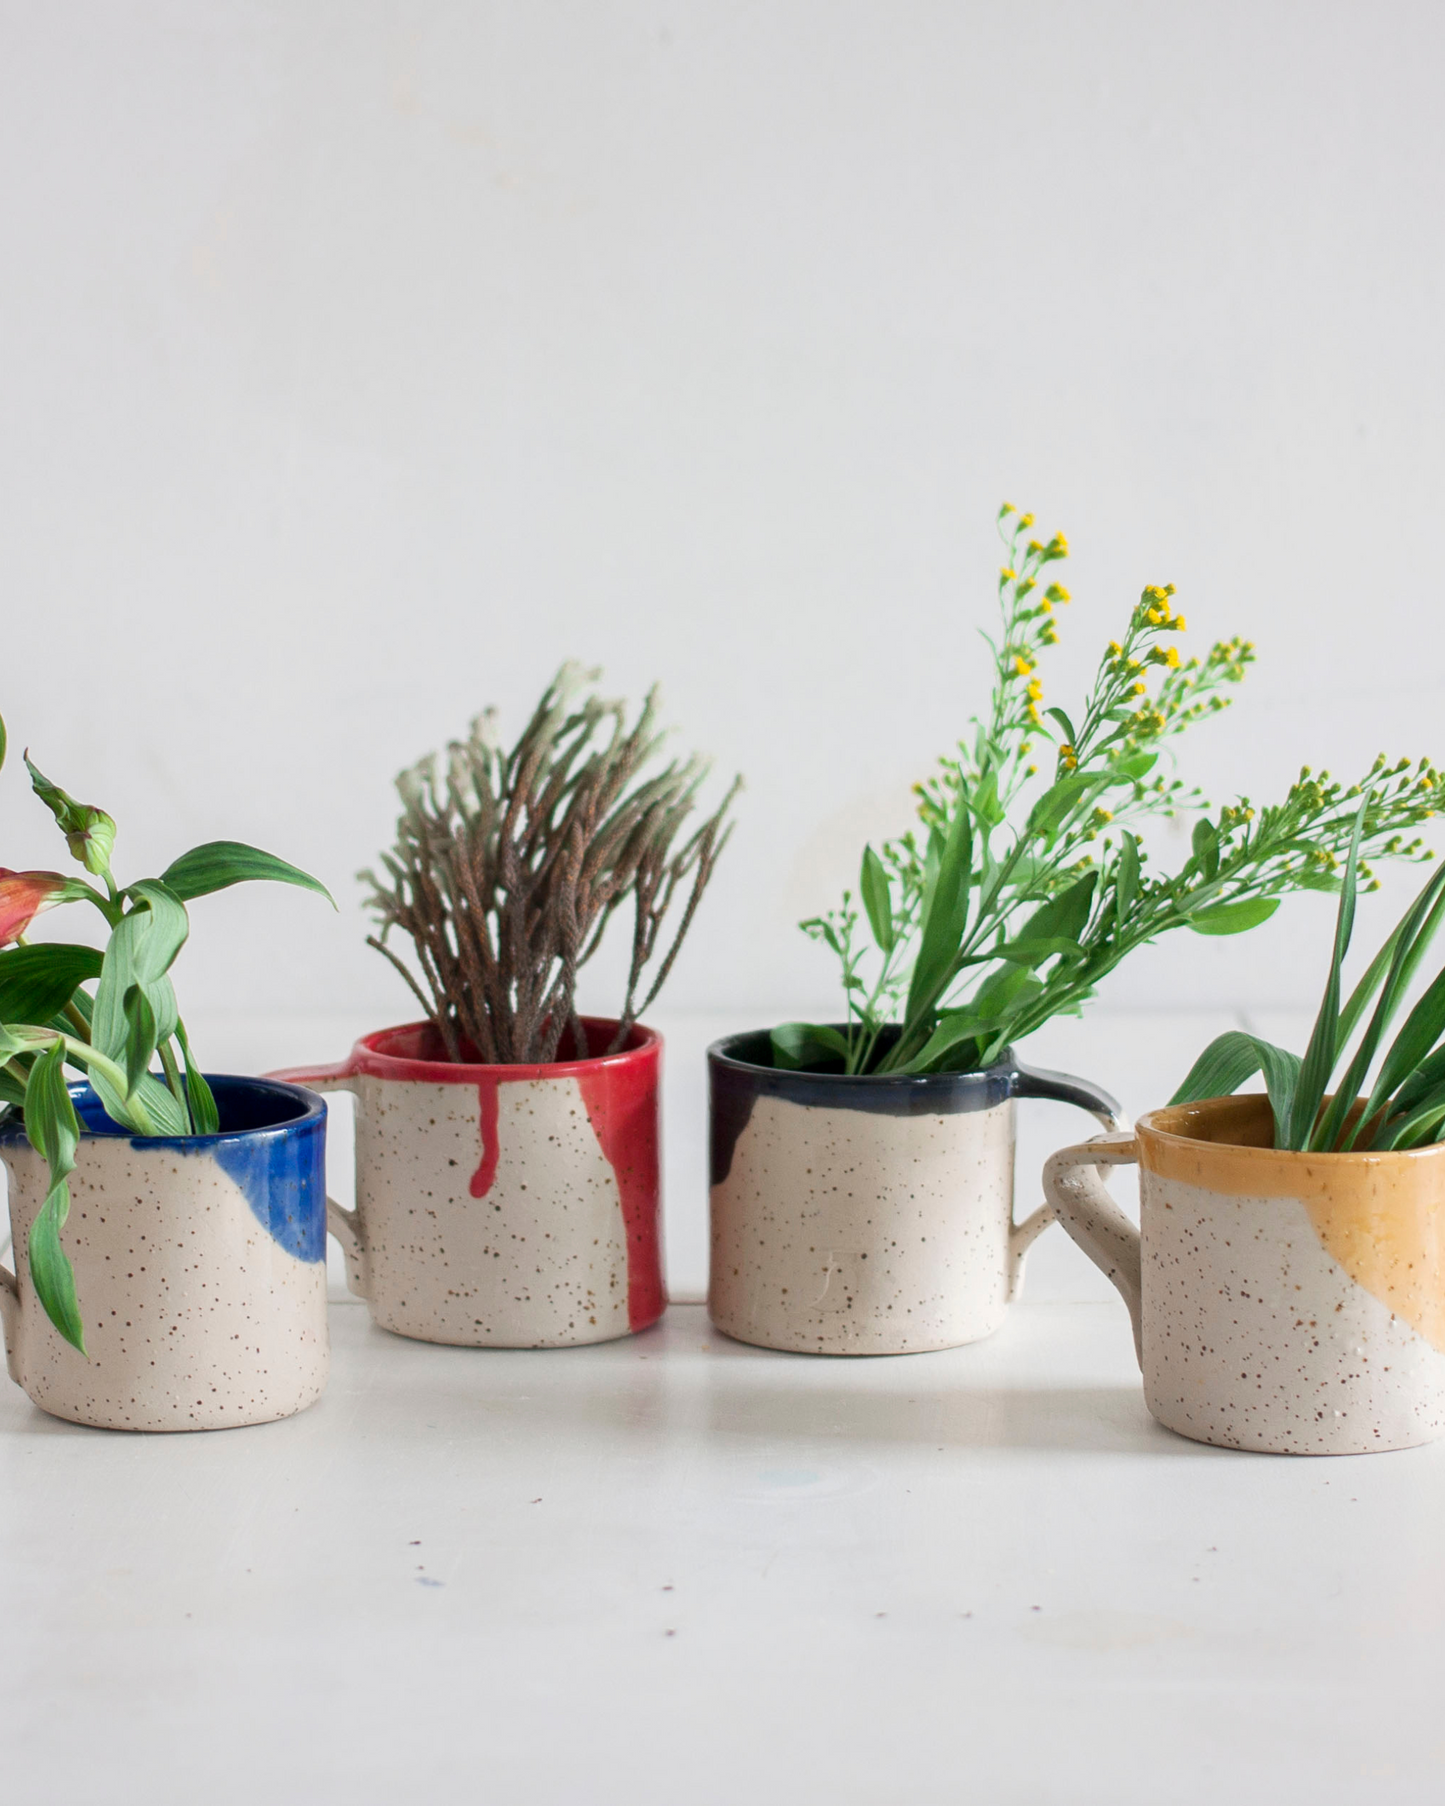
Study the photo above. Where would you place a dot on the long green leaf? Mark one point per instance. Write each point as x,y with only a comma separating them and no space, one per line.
205,1118
1420,1031
37,982
1411,1128
221,863
1221,1069
944,917
54,1132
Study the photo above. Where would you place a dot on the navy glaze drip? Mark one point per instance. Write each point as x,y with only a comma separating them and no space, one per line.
272,1144
741,1071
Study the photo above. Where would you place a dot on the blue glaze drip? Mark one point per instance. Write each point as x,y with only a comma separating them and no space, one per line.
284,1178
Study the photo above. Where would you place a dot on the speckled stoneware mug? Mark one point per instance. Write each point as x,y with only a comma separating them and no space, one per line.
1290,1303
502,1206
199,1267
868,1214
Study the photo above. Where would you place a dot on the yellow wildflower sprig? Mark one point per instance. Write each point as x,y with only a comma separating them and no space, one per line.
1057,886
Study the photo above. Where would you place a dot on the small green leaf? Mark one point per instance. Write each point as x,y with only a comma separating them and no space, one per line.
1137,765
1065,915
4,742
37,982
877,899
1205,840
1058,800
1126,878
1234,918
1070,737
221,863
954,1029
804,1045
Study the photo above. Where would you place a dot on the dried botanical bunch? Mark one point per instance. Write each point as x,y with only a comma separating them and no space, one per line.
509,865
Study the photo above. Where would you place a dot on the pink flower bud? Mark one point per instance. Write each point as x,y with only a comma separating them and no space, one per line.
22,897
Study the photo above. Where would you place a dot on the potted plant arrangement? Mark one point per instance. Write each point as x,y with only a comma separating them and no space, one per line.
169,1230
1287,1280
508,1190
862,1183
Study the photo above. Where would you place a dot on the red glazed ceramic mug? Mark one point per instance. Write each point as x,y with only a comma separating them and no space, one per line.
502,1206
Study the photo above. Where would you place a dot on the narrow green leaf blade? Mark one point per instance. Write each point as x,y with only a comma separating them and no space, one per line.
221,863
944,917
1323,1049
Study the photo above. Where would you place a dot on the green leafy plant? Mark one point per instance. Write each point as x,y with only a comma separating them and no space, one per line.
509,865
1028,880
1405,1105
49,1020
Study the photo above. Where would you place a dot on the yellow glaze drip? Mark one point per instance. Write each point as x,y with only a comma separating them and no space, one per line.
1381,1216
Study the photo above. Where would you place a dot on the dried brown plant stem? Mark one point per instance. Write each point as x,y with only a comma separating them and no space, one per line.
507,870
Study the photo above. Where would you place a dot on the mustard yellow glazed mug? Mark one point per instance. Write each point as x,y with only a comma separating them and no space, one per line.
1292,1303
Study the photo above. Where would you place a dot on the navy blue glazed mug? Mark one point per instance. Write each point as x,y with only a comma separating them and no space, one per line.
868,1214
200,1266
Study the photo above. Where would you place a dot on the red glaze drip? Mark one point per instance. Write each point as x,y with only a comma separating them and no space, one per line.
619,1092
482,1178
621,1101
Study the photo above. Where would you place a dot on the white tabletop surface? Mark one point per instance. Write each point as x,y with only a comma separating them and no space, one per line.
675,1568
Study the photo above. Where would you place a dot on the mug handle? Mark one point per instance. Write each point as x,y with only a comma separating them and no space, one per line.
10,1321
1075,1189
344,1224
1061,1088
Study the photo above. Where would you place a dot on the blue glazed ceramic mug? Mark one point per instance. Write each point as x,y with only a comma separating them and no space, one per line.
199,1267
869,1214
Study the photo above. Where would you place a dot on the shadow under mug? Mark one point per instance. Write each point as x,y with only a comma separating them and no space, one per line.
502,1206
872,1213
1284,1302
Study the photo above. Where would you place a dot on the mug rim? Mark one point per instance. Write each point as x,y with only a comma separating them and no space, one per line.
1164,1133
313,1110
720,1053
370,1060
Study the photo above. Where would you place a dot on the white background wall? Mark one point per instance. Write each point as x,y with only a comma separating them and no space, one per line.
360,362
